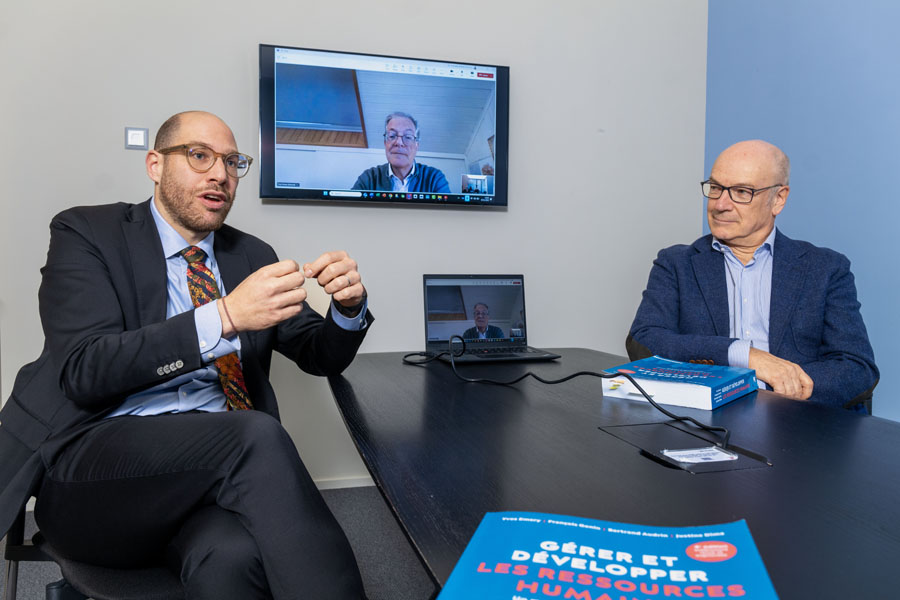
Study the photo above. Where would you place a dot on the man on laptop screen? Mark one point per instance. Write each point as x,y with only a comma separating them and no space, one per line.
487,311
482,330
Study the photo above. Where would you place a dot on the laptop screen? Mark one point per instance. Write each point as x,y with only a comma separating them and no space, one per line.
483,309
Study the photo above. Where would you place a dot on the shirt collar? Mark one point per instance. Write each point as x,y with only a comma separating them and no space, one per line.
408,177
767,245
172,242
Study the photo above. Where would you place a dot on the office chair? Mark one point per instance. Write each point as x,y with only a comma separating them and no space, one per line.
81,581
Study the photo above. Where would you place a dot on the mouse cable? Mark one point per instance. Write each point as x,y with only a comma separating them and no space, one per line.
428,357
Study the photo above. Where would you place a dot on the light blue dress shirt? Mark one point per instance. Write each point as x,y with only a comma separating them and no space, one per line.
200,389
749,297
401,185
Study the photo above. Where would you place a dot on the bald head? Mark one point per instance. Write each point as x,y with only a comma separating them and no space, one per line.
167,134
766,159
752,165
193,201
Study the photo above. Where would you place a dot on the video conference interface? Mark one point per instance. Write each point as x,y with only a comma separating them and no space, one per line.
330,111
482,310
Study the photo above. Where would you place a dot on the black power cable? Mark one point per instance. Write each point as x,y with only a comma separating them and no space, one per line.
429,357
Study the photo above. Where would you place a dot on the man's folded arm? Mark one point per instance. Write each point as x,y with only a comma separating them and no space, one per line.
656,324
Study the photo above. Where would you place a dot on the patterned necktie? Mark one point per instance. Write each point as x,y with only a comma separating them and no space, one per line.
203,288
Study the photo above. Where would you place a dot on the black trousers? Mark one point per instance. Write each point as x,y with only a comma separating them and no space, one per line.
222,498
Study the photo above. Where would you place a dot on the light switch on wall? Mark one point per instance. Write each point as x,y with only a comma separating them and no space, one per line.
136,138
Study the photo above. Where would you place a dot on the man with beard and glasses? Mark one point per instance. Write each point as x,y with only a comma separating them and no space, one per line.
148,428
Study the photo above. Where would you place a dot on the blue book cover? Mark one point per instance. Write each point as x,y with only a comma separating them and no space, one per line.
537,556
680,383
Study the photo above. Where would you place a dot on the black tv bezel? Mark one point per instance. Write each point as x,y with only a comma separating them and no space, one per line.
267,189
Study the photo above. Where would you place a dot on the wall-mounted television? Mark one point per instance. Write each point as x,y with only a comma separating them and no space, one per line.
366,128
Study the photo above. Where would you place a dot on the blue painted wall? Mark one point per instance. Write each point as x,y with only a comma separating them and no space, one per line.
822,81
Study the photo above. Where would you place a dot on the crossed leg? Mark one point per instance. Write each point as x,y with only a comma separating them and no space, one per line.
206,493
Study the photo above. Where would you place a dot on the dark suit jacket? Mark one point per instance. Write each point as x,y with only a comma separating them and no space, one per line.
814,317
103,309
492,332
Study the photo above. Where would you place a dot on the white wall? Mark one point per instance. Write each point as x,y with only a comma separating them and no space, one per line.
607,94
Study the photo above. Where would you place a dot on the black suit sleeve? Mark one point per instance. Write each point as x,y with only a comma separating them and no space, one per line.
100,358
319,345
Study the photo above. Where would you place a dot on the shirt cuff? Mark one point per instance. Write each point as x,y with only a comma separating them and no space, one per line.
209,333
739,353
357,323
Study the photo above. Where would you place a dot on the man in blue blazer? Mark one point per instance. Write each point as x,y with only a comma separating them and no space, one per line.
129,429
747,295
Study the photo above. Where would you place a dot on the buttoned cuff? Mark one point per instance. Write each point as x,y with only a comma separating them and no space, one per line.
357,323
209,333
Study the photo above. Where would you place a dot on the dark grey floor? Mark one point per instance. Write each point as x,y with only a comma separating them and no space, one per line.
388,564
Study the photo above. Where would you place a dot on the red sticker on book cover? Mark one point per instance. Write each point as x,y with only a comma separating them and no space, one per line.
711,551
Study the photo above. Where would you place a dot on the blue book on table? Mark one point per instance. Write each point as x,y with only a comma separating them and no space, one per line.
680,383
537,556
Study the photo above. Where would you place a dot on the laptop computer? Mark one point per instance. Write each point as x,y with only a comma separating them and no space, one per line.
487,311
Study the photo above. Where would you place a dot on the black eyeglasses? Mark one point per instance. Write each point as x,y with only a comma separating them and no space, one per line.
739,193
408,138
201,159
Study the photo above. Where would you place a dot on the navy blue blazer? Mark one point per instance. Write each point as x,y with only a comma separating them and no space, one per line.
814,318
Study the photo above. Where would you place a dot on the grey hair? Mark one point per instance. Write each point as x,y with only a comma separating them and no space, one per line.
486,307
402,115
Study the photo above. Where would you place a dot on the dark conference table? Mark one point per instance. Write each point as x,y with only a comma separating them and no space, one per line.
825,516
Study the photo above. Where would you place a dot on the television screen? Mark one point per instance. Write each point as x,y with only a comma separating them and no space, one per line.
339,126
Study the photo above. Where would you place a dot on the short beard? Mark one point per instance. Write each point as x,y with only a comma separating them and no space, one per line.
180,204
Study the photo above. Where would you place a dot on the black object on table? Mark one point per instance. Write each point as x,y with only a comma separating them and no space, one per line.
825,516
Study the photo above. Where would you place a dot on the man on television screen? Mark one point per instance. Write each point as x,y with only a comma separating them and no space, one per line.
401,173
482,330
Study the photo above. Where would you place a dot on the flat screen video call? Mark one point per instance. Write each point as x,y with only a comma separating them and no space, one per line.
349,127
479,309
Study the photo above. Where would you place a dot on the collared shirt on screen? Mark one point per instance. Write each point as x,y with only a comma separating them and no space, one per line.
402,185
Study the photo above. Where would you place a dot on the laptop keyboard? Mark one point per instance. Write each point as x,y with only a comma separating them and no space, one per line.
499,352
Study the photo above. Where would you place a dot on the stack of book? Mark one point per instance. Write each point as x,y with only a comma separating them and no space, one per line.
681,384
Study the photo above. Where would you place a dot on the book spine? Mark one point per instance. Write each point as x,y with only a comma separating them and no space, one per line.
732,390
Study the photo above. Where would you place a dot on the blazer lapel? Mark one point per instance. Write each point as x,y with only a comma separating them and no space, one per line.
788,273
147,263
709,269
